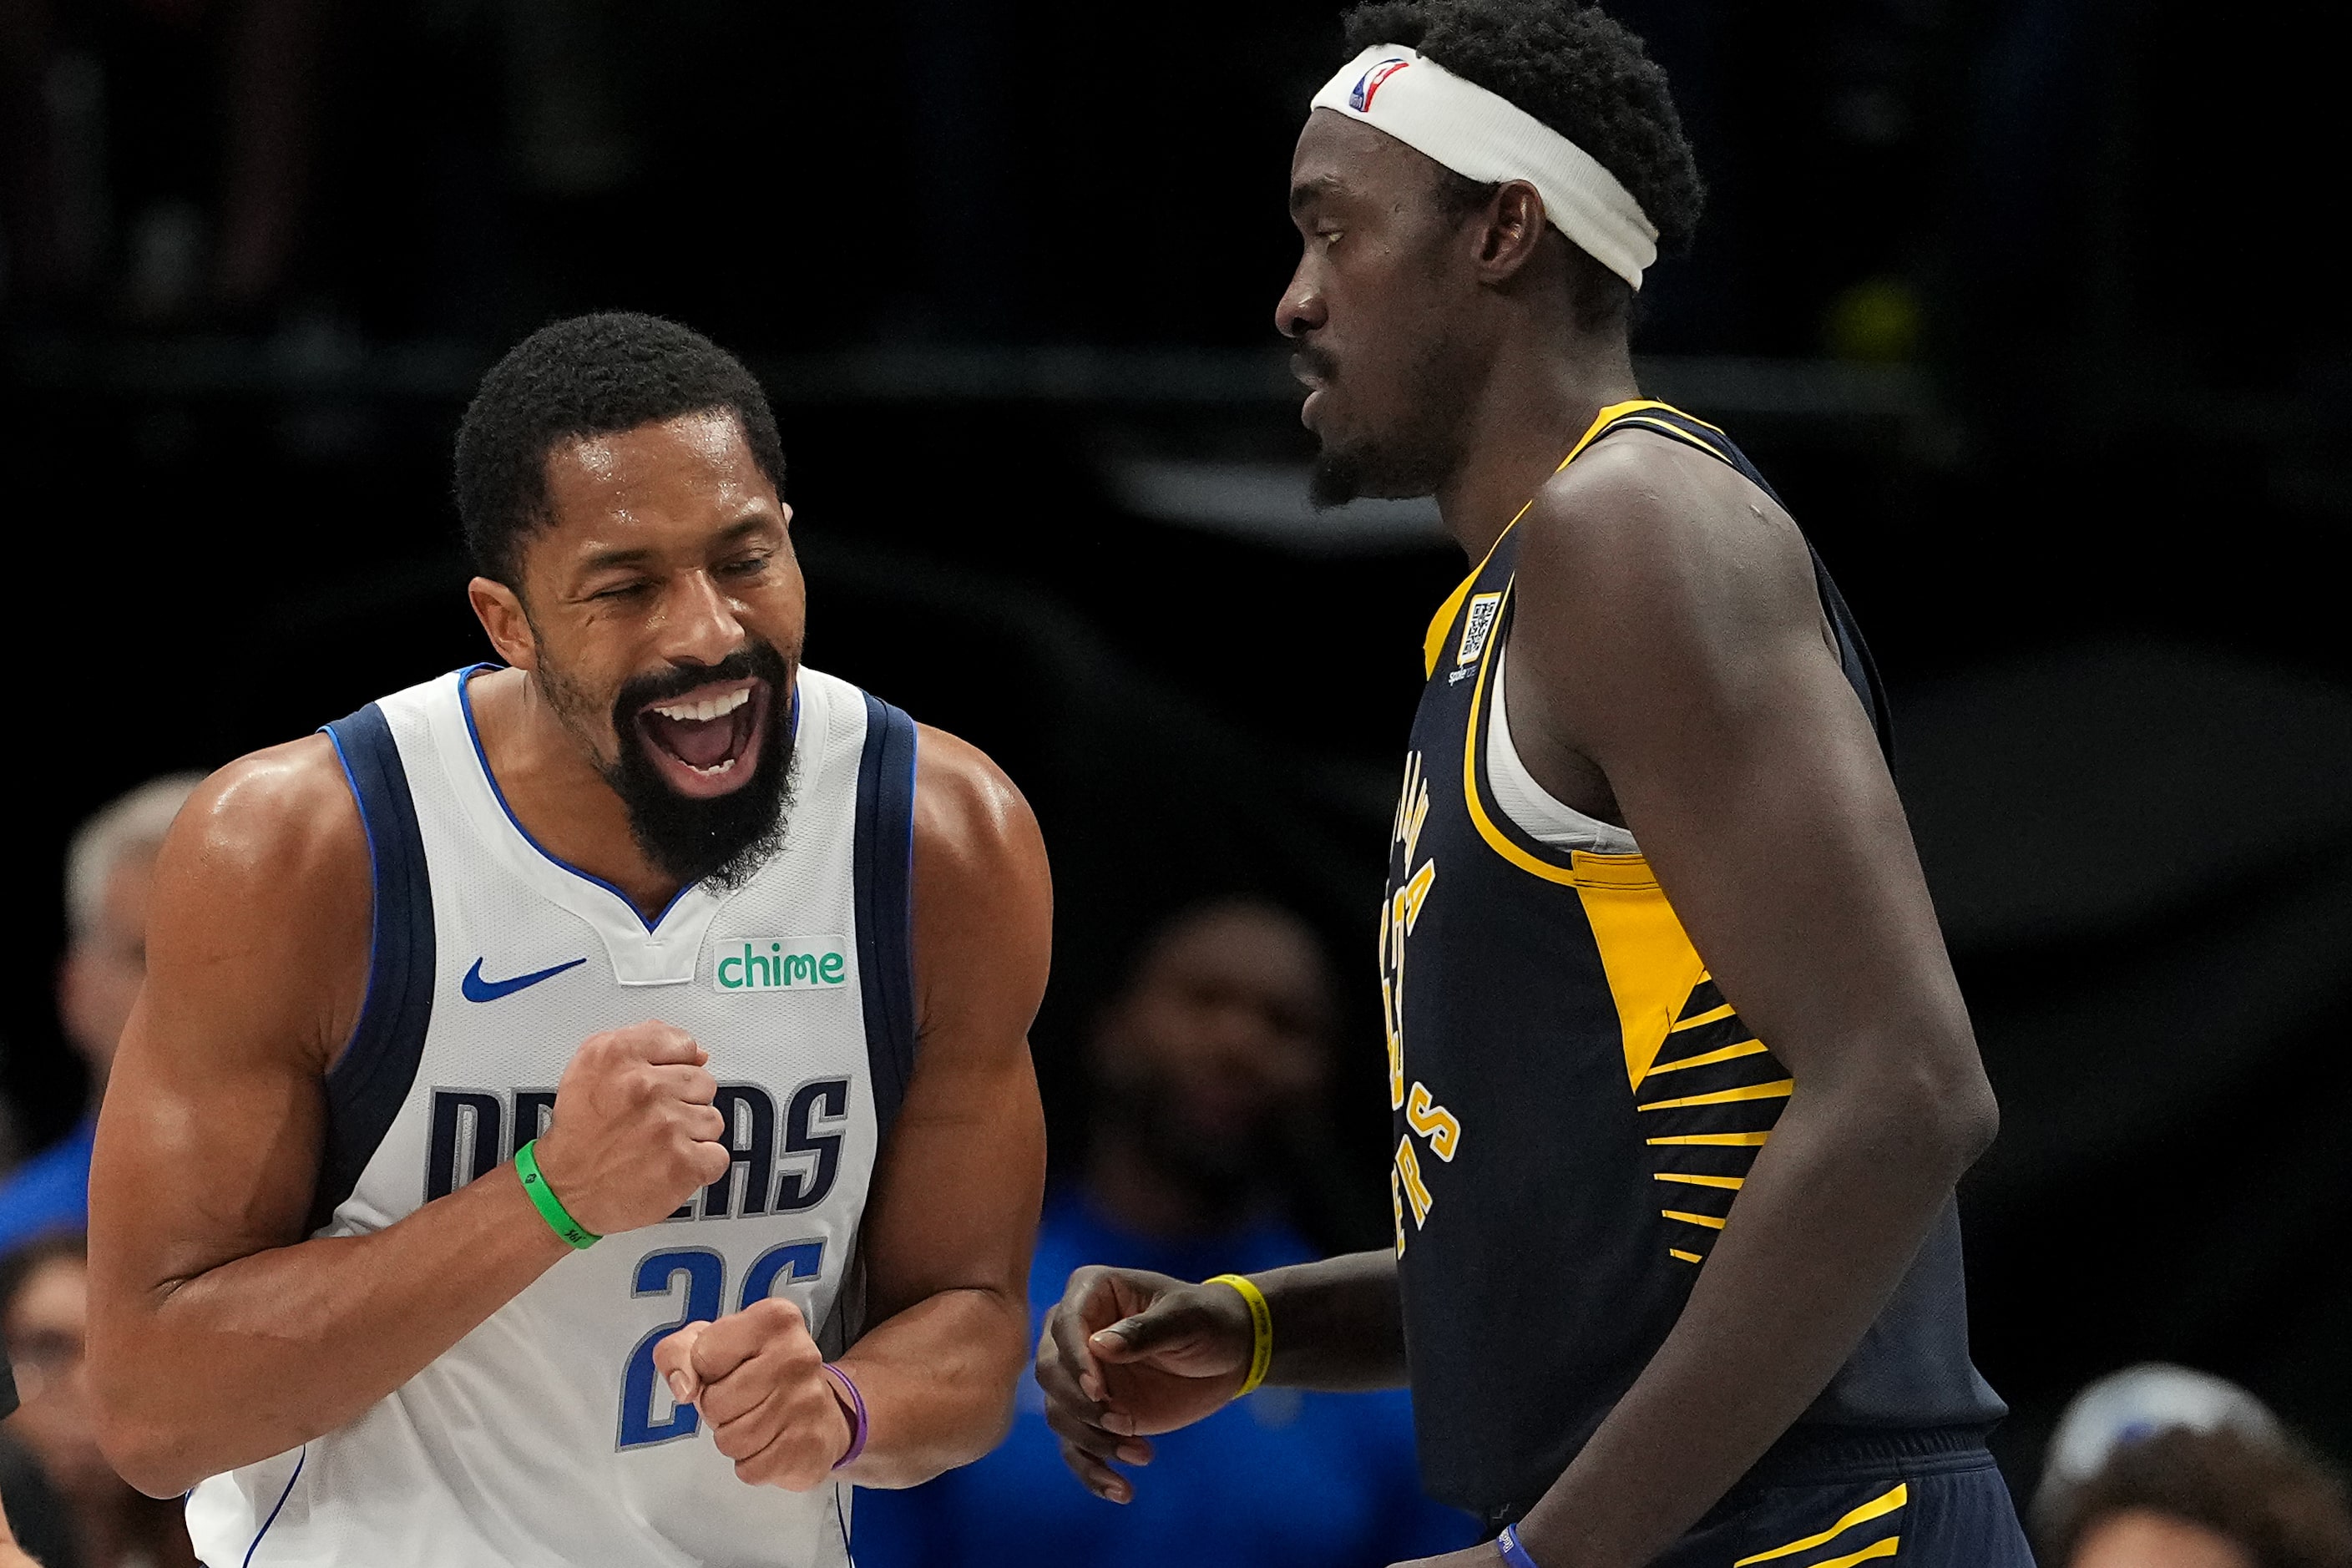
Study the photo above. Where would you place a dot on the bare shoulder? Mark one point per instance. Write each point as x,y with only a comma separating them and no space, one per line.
967,810
263,902
984,897
1645,521
281,818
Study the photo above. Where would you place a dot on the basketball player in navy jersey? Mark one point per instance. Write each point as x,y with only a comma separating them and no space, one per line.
1682,1081
581,1111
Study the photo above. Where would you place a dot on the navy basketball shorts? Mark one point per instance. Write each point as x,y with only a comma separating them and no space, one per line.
1917,1500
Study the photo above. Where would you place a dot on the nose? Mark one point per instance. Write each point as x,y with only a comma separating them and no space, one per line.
701,624
1300,310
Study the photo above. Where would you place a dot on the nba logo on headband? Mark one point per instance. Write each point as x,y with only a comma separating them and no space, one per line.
1361,98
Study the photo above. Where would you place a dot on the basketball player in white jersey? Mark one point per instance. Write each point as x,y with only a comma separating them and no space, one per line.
580,1112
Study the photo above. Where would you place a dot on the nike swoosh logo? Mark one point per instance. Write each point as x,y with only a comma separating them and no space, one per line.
477,989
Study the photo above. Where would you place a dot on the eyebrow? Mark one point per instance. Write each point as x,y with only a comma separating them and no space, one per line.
1308,191
637,555
602,558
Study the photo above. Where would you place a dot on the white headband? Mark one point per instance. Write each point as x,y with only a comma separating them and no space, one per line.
1485,137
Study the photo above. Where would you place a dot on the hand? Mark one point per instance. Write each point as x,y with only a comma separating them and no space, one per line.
1125,1354
634,1132
760,1382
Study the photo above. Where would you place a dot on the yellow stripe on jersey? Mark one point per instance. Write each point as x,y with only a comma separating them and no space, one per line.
1877,1508
1781,1089
1644,952
1877,1548
1707,1058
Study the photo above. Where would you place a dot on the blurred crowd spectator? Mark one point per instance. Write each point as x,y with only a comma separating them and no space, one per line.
109,866
2160,1467
44,1313
1200,1068
69,1508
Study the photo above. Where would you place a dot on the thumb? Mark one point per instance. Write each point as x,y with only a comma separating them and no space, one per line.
674,1359
1154,1328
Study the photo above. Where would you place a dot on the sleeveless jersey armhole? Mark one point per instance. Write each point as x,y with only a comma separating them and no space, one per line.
884,868
368,1082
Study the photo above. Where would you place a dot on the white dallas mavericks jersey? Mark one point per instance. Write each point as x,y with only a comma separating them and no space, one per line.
544,1436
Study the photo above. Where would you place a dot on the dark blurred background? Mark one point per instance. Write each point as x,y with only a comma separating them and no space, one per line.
2021,304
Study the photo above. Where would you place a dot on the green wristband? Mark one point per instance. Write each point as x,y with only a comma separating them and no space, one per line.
551,1207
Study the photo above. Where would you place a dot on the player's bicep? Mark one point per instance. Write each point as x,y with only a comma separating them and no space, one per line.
957,1187
208,1143
251,1125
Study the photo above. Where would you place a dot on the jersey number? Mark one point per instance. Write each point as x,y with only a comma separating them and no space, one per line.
705,1273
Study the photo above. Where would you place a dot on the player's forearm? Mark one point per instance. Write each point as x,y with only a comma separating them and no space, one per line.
1832,1213
269,1351
1339,1322
937,1381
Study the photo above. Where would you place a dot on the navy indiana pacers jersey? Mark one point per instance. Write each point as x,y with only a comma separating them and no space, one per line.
1577,1104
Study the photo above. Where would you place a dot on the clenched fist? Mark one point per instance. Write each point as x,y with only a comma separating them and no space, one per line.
634,1132
759,1381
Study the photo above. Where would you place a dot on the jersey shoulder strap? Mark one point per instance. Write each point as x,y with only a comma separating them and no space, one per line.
883,873
369,1081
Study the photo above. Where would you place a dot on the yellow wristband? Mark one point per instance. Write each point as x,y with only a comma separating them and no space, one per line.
1260,1329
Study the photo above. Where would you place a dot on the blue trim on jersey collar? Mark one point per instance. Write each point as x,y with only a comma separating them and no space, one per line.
466,705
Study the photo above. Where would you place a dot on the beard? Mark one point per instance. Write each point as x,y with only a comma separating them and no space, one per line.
724,839
1418,456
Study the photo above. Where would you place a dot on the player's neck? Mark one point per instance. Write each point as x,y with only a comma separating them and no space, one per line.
1540,396
555,792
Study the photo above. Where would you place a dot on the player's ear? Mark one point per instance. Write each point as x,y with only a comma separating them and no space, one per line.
500,609
1515,228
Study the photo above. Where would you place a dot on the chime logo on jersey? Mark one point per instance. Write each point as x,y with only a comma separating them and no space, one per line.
780,964
1359,98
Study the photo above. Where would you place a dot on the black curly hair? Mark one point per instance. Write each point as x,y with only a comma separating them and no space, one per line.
1581,73
588,375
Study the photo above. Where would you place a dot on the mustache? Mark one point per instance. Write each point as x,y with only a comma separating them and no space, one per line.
756,660
1311,360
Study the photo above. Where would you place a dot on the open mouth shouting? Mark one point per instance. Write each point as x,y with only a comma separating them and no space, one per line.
705,741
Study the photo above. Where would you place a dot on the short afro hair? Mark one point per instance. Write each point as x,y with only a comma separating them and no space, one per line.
2278,1505
1581,73
588,375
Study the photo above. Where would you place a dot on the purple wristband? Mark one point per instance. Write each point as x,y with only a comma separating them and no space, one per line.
1513,1552
857,1409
